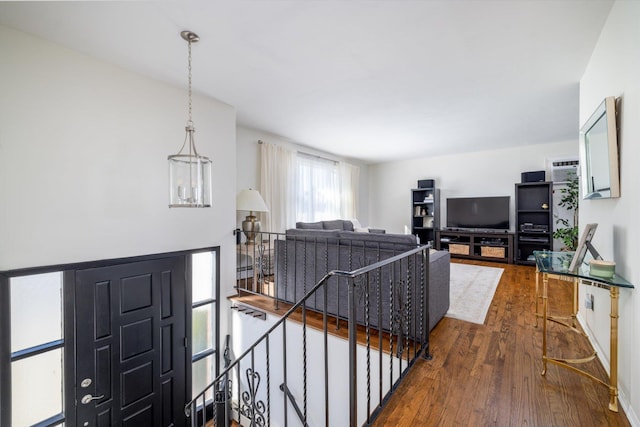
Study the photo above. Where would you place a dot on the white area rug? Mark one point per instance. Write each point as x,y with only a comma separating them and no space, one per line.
471,291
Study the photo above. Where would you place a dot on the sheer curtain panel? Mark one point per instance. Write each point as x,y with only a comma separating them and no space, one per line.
277,179
349,179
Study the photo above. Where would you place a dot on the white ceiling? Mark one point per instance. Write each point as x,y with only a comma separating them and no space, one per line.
372,80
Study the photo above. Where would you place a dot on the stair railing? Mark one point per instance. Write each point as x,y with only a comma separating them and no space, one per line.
387,331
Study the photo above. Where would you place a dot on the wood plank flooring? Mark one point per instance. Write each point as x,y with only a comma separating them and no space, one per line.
489,375
315,320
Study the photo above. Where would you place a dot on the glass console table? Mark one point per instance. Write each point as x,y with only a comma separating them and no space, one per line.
556,265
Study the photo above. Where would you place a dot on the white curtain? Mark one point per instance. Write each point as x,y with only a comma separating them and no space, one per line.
349,180
277,179
318,189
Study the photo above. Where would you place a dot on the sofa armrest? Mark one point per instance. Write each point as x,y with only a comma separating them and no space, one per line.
439,286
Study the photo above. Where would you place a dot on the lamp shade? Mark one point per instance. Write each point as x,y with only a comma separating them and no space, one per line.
250,200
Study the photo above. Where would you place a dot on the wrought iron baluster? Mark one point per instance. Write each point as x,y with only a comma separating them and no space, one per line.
284,367
425,284
368,337
238,377
411,323
204,410
268,361
422,304
325,330
304,361
391,324
380,329
353,363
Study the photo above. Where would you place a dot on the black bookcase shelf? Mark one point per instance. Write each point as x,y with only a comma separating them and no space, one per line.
534,220
425,213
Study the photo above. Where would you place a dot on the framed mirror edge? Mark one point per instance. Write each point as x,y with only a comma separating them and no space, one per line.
608,108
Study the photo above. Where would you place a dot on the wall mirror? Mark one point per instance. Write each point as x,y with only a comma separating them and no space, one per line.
599,153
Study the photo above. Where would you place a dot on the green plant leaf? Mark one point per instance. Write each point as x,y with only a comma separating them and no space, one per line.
568,233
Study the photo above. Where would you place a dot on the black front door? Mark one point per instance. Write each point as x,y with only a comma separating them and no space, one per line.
131,334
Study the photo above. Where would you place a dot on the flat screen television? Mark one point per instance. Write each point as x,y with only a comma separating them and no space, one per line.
491,213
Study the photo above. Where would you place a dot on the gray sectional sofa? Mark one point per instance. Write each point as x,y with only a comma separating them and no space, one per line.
310,251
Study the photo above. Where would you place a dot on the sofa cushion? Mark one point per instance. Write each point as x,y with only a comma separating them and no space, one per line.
309,225
337,224
347,226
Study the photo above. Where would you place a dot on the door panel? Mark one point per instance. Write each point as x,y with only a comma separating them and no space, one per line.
130,352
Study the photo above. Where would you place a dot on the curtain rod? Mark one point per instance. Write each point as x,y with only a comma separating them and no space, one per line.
260,142
315,156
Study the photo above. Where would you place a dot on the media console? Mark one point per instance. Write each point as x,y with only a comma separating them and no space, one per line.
477,244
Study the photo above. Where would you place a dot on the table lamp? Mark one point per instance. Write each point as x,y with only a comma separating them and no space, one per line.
250,200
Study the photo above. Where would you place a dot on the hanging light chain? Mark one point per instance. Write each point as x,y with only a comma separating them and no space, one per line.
190,122
190,37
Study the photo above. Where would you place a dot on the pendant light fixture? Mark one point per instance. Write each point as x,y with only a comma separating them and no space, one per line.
189,172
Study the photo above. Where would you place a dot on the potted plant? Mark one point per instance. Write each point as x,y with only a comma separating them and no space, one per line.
568,230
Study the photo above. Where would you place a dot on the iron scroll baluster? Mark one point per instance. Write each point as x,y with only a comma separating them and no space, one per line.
252,408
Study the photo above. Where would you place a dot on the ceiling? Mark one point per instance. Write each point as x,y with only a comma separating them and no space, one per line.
371,80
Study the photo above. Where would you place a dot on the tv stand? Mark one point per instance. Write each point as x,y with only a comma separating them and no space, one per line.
483,245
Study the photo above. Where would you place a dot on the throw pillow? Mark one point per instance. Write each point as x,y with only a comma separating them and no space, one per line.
336,224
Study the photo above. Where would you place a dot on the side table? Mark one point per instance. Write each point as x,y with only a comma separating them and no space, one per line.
554,265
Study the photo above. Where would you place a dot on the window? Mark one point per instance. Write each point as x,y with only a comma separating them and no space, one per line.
325,189
318,189
36,349
204,321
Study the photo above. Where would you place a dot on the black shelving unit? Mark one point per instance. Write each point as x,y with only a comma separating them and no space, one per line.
425,213
534,220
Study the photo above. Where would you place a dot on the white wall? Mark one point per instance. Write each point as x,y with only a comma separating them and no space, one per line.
481,173
248,166
613,71
83,160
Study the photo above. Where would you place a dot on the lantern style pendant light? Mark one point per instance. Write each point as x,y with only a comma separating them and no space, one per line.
189,172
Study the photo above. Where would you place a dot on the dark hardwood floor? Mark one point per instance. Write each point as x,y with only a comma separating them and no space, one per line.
489,374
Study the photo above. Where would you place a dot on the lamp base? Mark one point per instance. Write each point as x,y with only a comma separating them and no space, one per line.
251,227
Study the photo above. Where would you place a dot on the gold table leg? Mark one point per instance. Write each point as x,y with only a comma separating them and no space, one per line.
545,286
614,294
574,314
537,295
